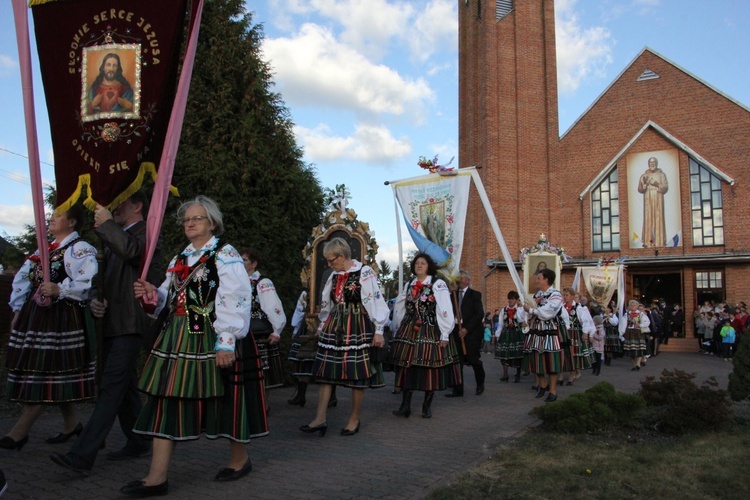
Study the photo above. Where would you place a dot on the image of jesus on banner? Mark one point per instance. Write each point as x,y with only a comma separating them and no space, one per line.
110,84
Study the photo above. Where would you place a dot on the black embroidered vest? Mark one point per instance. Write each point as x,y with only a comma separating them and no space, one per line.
195,296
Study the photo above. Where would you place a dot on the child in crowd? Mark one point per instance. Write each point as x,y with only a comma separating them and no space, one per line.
727,340
487,345
597,341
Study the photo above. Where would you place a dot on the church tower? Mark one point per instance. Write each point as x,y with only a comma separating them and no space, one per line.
508,124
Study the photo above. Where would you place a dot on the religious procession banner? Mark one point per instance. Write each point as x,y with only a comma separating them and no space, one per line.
434,208
109,70
602,282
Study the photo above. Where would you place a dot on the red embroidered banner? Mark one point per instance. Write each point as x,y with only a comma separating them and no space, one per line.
109,71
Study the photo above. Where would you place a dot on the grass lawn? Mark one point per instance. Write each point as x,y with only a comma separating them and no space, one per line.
614,465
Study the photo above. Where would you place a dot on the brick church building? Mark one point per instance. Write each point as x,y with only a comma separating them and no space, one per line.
655,170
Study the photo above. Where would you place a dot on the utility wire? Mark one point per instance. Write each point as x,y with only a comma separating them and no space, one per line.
15,176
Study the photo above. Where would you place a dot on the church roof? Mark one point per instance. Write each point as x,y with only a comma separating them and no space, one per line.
650,75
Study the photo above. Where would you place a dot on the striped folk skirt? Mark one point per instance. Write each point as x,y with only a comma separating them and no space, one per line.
273,368
635,343
419,361
509,347
612,344
343,356
302,355
581,351
51,354
543,350
188,395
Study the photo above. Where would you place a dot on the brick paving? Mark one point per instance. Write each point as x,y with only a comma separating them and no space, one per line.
390,458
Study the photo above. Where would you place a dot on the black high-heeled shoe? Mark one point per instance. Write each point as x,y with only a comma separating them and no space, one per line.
405,409
517,378
8,443
540,391
504,379
297,400
322,428
350,432
63,436
426,406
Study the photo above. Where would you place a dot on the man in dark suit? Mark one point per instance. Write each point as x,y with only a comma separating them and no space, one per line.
123,233
470,330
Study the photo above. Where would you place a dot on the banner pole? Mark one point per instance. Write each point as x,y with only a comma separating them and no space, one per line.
499,235
400,243
21,18
171,142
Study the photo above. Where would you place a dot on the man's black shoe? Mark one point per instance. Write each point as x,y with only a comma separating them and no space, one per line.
67,462
480,390
128,454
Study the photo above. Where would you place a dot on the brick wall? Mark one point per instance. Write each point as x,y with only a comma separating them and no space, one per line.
508,126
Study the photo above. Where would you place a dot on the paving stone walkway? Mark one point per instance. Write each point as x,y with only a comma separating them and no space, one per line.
390,458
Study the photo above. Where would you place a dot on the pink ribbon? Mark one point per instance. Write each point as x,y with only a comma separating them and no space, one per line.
171,143
21,18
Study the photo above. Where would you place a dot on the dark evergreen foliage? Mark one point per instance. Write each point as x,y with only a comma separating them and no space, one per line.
238,148
24,244
677,406
597,409
739,379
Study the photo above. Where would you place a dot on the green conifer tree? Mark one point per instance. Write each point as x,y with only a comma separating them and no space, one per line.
238,148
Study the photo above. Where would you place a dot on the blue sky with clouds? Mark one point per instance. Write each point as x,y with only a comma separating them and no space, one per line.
372,84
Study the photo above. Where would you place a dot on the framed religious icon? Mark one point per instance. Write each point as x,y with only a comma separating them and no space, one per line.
321,270
535,262
111,82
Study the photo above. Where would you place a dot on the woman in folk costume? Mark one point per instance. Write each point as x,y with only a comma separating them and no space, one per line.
423,357
50,358
510,336
203,373
267,319
352,316
612,344
579,351
633,327
548,325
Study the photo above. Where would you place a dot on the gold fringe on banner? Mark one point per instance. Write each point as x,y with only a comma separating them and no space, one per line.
90,203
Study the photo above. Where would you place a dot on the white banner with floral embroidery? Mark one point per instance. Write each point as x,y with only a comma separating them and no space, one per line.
602,282
434,208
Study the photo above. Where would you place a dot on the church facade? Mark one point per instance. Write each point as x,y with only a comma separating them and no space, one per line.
655,170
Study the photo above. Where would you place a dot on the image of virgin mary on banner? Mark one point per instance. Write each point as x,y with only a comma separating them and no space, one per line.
434,209
109,70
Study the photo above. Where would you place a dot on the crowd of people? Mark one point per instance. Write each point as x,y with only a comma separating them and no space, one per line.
211,324
719,328
563,332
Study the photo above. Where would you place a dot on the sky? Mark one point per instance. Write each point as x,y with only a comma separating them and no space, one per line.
372,85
